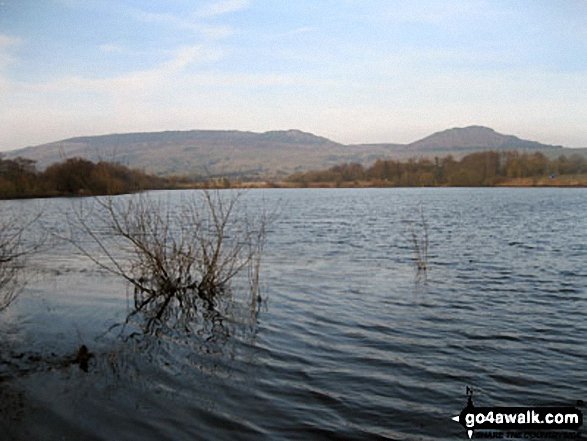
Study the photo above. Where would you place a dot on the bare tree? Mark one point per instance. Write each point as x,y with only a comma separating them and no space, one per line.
178,258
14,250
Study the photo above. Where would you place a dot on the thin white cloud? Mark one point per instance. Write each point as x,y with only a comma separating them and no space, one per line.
70,3
178,58
138,81
7,45
194,22
434,12
187,55
112,48
7,40
213,32
221,7
292,33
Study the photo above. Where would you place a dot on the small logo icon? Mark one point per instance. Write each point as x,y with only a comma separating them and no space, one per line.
469,406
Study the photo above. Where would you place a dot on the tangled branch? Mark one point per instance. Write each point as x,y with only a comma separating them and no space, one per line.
178,258
14,250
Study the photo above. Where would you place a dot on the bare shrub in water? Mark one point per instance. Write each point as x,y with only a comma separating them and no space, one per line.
419,233
14,250
178,258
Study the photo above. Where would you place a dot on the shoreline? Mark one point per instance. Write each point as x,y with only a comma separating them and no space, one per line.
510,183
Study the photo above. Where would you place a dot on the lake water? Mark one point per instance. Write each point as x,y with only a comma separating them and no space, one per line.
352,343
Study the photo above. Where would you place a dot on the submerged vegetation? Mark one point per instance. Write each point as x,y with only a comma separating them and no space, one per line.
16,245
419,235
179,259
11,263
489,168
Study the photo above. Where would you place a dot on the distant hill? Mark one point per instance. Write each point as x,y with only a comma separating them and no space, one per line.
233,153
266,155
475,137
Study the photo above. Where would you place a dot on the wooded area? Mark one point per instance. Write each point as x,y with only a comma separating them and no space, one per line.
487,168
73,177
80,177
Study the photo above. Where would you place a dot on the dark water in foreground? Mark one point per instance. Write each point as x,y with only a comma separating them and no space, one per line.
351,343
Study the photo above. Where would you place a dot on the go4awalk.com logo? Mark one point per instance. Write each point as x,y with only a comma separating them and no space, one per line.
513,422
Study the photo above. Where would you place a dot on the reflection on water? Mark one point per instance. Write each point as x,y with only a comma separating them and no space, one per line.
347,346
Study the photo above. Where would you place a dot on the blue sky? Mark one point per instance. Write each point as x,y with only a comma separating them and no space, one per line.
355,71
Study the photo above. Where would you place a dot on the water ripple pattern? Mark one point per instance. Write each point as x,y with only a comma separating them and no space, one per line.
352,344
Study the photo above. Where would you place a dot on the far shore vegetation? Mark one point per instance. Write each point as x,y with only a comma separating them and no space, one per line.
19,177
479,169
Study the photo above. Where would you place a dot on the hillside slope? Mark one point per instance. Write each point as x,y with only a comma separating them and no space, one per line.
474,137
269,155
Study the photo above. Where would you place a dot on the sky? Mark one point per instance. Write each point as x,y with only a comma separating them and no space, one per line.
354,71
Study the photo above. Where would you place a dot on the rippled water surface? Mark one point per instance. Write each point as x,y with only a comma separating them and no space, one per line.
351,344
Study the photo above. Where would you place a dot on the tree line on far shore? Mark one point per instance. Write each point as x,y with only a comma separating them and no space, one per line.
487,168
19,178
